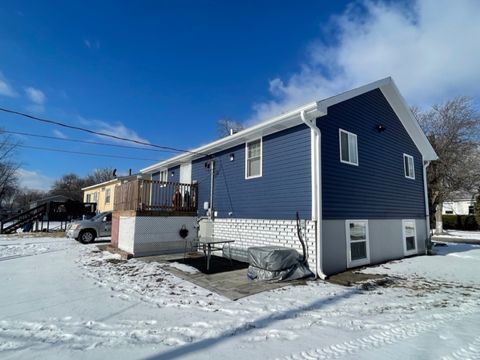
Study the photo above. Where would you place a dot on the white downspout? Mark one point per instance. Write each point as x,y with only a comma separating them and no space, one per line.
316,156
427,210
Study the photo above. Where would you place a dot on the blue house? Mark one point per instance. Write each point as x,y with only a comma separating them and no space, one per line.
353,166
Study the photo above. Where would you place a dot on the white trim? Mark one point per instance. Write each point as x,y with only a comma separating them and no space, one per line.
348,144
404,238
354,263
409,157
314,109
108,194
246,159
185,176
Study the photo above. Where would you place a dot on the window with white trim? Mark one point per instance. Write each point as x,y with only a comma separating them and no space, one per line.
358,250
89,198
408,166
409,237
348,147
107,196
163,176
253,159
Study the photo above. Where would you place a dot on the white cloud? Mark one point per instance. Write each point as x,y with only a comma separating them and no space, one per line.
91,44
429,48
35,95
59,134
116,129
5,88
32,179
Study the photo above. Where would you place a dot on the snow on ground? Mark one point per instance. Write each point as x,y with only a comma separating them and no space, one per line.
454,263
459,234
13,247
82,303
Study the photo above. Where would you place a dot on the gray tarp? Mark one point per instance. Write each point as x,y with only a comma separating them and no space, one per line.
276,263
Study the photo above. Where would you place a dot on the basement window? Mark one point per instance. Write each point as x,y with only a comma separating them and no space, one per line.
409,237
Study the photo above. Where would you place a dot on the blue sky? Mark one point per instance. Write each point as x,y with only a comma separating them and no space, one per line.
166,71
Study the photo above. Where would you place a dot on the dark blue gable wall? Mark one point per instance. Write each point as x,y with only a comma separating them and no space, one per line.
377,188
284,188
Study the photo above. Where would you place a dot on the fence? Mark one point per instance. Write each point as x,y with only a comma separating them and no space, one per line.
153,195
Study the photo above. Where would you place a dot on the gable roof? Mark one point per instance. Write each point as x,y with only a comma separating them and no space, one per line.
313,109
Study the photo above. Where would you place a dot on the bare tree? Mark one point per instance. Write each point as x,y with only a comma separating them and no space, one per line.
453,129
8,169
69,185
226,125
23,197
98,176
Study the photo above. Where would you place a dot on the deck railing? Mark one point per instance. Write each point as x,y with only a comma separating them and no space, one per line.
153,195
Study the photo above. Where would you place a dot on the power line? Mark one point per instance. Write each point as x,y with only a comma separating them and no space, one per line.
58,123
82,153
80,141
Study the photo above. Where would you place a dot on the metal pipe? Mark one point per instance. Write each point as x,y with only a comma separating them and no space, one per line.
212,178
316,168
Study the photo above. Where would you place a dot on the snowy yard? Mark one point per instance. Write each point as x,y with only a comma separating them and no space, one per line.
64,300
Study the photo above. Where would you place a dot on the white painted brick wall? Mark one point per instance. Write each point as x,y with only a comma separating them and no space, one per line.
259,232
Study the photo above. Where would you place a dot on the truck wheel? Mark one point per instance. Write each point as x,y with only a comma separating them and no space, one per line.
86,236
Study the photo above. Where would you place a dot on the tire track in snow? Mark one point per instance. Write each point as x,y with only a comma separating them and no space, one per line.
397,333
471,351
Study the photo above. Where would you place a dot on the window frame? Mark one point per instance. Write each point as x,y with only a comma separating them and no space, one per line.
409,157
404,238
246,159
359,262
340,131
108,194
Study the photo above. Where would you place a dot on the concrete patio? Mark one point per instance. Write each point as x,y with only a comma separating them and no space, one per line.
226,278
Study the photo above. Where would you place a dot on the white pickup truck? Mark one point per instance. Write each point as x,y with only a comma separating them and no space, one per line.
86,231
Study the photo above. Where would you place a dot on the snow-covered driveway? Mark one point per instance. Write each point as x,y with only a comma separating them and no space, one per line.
63,300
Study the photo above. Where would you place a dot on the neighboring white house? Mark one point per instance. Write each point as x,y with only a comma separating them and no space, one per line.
462,204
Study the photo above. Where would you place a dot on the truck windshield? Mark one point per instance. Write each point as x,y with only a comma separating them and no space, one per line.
99,216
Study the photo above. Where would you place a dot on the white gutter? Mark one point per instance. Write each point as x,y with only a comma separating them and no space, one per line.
316,167
427,210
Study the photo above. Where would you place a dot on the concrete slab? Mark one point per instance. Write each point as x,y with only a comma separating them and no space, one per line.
226,278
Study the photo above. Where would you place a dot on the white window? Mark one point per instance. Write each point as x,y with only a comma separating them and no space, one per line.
358,250
409,237
253,159
163,176
95,196
348,147
408,166
89,198
107,196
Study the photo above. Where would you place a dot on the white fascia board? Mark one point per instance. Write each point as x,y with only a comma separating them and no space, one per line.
402,110
399,106
278,123
100,184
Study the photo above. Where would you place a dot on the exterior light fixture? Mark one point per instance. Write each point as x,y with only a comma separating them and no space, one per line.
232,156
380,128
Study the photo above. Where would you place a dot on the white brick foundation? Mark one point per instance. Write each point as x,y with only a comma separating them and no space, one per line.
257,232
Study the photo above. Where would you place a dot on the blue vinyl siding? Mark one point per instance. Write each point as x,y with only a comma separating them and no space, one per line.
284,188
377,188
176,174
